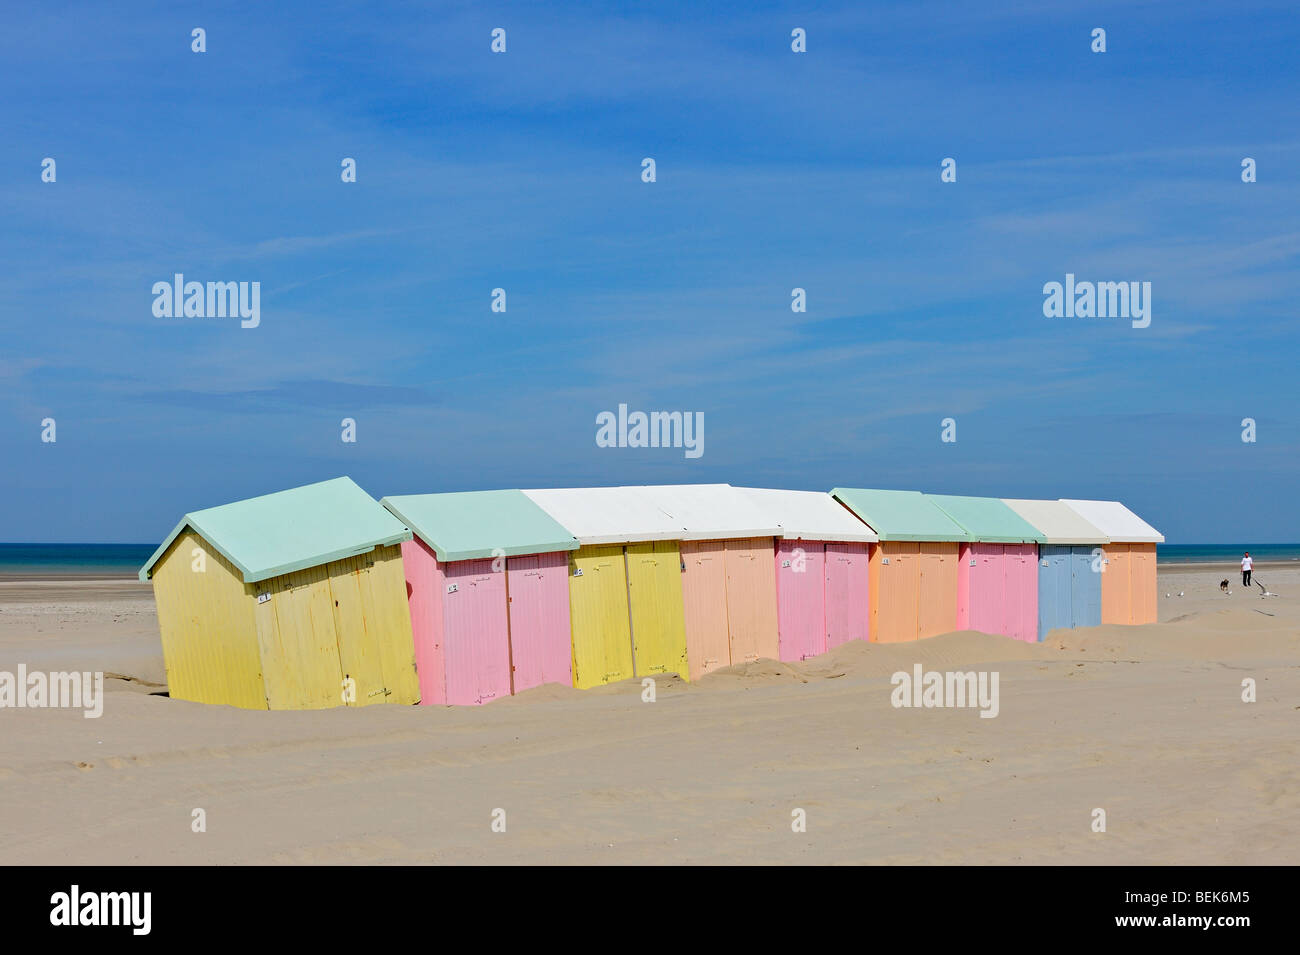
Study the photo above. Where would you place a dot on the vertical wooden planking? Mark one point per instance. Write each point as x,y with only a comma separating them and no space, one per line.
704,606
300,651
967,576
598,605
982,565
557,652
1144,585
192,662
987,587
281,686
209,640
847,598
1117,585
358,652
232,630
874,584
1001,610
476,648
1022,592
424,589
188,659
1134,561
658,621
278,680
538,590
319,659
1055,604
1085,588
937,590
896,587
355,663
998,610
801,597
751,600
383,592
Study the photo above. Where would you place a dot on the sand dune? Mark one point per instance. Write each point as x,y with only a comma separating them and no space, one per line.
1145,722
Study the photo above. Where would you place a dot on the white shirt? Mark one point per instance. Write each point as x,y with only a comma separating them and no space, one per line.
1245,563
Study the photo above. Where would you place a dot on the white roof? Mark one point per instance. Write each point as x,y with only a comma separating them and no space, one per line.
606,515
809,515
1117,522
1057,521
710,511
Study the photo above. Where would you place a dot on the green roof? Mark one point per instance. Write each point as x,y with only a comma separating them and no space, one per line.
987,519
900,515
291,530
467,525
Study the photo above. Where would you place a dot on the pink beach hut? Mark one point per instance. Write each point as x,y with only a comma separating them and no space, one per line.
822,563
486,582
997,568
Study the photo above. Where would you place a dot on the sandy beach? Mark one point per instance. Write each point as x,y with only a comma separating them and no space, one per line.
1147,723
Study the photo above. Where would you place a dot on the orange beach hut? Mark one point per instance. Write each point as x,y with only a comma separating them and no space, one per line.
912,577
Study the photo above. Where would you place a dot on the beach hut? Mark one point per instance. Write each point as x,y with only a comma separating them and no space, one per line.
290,601
997,568
728,576
1069,564
822,565
1128,581
912,575
625,590
486,577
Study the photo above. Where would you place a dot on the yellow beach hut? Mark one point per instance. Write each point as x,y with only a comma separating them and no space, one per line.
290,601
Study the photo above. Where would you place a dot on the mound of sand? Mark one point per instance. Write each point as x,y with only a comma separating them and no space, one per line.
1146,722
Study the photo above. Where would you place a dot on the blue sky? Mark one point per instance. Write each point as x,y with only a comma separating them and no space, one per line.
775,170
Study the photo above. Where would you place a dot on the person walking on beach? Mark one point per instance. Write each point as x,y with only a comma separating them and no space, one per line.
1246,563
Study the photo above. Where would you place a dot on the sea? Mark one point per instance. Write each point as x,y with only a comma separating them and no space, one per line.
125,560
1225,554
73,560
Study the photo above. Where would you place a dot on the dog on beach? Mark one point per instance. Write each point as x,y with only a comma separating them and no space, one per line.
1223,586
